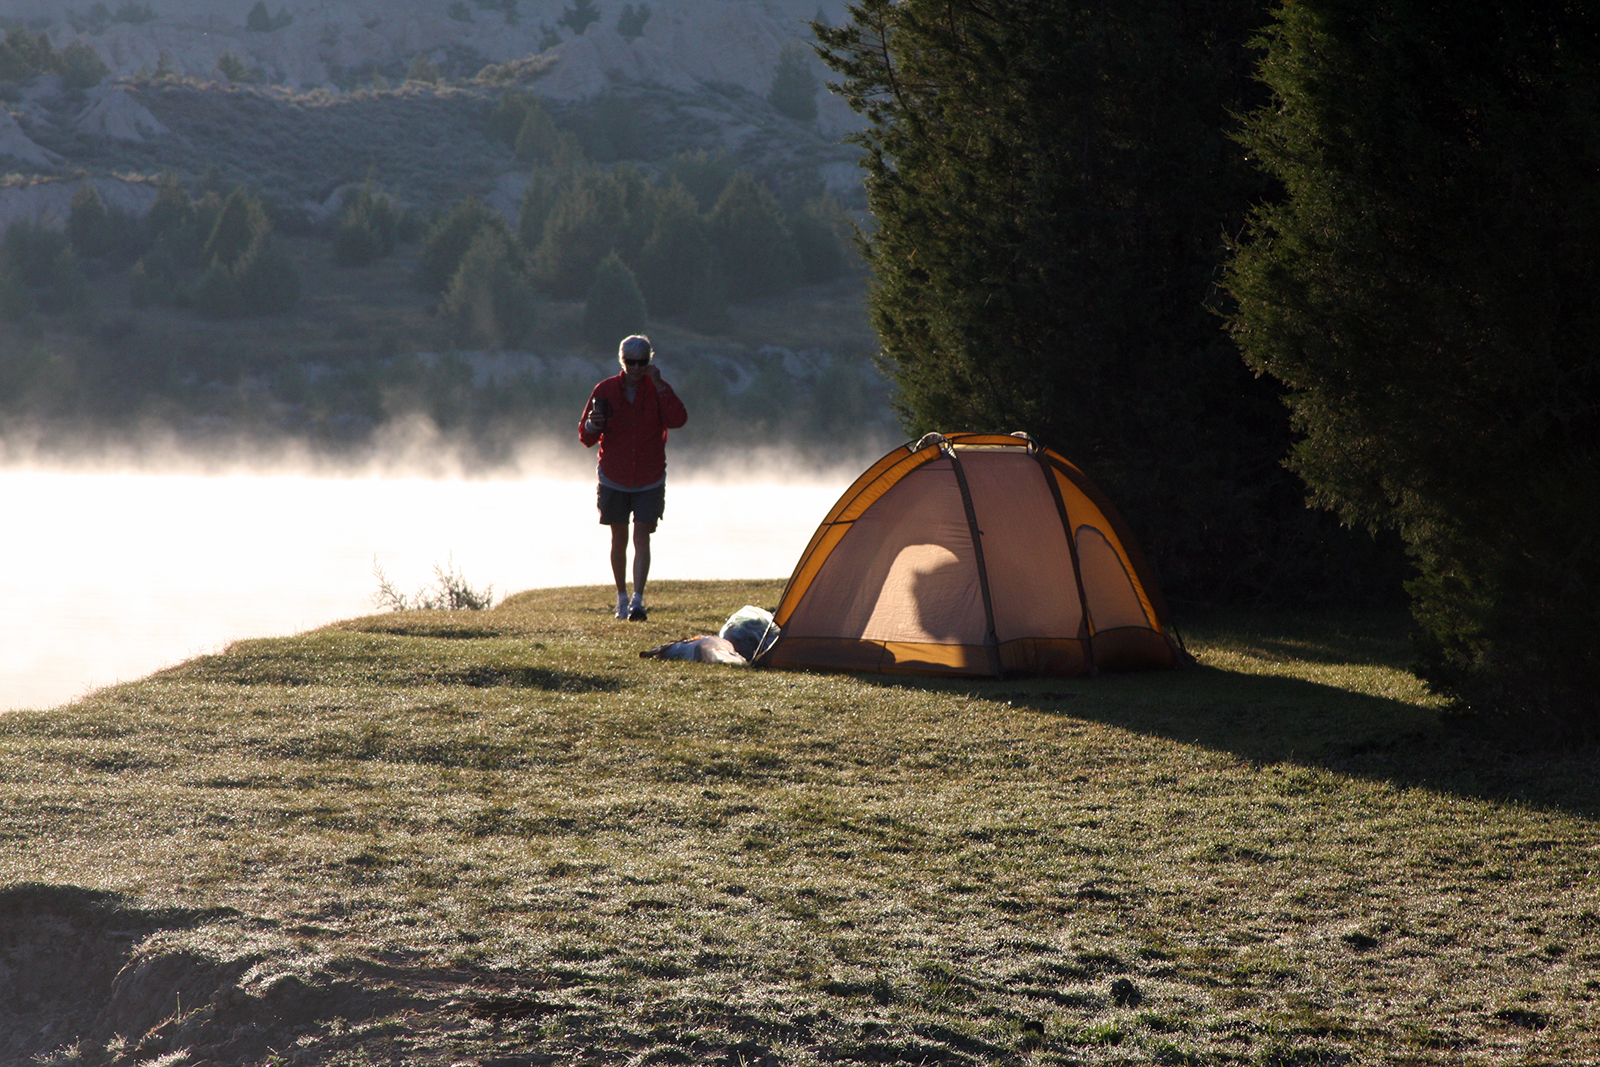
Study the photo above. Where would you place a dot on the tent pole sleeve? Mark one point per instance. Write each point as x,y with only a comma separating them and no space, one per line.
1072,549
991,640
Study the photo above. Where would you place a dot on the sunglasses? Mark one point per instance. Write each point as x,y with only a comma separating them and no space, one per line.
636,362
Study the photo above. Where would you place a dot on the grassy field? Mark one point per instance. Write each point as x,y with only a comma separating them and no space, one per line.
502,838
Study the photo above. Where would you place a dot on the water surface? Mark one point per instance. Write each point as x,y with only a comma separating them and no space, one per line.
110,576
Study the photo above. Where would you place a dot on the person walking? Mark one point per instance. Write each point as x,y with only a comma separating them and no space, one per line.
628,416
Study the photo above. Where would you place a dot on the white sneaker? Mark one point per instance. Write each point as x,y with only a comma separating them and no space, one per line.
622,605
636,612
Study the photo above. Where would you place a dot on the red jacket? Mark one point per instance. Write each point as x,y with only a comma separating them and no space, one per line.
633,445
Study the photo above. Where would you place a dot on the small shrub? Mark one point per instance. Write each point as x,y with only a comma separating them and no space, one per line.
615,307
423,70
450,591
232,68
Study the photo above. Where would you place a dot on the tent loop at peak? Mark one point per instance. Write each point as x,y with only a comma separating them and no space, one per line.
966,439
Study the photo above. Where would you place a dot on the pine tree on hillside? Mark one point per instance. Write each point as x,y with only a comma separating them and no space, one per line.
580,16
89,223
672,265
794,86
614,308
490,301
631,21
367,228
242,223
448,241
757,250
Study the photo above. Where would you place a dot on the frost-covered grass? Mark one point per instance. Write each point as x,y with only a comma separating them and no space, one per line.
503,837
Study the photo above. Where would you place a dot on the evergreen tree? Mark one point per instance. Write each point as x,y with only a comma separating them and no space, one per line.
266,280
506,118
172,210
449,240
631,21
596,214
16,302
1051,183
537,138
538,200
244,272
748,231
1426,290
677,256
794,86
242,223
490,301
704,174
615,307
22,55
89,223
81,66
367,228
580,16
817,232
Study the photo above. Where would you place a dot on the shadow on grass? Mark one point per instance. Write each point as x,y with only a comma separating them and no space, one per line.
1272,718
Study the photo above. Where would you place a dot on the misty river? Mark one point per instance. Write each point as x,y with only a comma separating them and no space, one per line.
110,576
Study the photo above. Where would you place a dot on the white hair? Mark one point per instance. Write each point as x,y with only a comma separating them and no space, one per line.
635,347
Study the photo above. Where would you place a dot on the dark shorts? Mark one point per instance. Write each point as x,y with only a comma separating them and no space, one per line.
646,506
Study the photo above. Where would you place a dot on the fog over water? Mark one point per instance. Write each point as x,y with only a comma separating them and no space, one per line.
114,572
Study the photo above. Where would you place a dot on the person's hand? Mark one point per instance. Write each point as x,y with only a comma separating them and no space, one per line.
655,374
597,418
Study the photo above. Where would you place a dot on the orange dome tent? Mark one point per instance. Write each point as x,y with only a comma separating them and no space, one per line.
973,554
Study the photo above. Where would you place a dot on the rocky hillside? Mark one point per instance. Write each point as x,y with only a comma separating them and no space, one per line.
299,104
324,99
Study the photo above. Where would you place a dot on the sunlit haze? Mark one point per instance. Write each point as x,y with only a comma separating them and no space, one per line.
114,574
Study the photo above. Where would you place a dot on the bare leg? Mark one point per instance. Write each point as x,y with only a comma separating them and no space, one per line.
641,558
619,557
